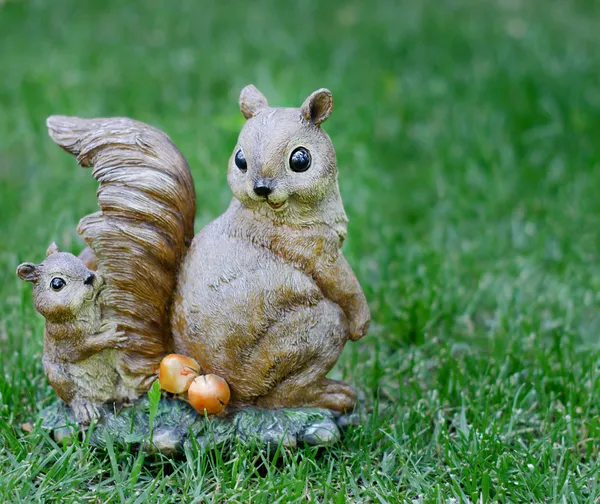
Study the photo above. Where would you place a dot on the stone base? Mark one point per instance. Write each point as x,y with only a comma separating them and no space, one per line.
177,424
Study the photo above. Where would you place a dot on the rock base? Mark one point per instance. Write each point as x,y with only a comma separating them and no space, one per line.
178,425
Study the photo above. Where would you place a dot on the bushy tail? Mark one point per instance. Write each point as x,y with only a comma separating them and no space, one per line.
145,224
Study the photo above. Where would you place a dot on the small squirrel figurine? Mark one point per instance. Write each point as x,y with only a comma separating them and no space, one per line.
79,355
262,296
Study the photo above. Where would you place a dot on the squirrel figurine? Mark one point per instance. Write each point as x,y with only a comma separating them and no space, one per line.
265,297
79,347
262,296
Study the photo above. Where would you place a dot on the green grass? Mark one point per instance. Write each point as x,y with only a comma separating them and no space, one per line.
467,134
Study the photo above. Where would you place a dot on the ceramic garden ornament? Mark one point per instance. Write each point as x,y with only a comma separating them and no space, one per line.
262,297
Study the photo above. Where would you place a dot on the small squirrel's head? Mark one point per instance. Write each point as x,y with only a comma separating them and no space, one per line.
283,161
62,285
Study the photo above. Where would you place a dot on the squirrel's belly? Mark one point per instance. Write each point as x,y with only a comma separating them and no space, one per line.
94,378
230,294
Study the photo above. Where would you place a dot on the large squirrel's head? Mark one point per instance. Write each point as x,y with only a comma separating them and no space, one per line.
283,163
62,286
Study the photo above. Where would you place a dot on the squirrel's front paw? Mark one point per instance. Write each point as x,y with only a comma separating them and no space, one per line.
359,324
121,340
108,327
110,337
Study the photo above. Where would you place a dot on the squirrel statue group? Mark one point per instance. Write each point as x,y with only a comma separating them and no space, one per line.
262,296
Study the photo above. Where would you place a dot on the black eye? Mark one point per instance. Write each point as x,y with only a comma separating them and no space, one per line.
300,160
57,283
240,161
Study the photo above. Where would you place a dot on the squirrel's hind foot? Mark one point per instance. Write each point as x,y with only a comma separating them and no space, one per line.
84,411
330,394
335,395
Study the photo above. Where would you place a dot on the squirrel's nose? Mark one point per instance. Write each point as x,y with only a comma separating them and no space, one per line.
89,279
262,190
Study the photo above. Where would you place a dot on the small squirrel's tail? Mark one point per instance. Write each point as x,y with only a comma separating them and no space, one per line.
145,224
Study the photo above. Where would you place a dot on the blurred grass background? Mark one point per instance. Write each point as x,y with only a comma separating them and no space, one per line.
467,139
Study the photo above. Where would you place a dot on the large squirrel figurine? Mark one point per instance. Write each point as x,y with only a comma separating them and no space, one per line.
262,296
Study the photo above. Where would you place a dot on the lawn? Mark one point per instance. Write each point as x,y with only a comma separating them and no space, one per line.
467,134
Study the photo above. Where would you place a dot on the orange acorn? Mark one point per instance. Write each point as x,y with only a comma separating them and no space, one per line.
209,393
177,372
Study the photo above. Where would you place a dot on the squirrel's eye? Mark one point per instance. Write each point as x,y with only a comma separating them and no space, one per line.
240,160
57,283
300,160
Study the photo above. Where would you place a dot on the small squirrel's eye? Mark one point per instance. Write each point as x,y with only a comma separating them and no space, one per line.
57,283
240,160
300,160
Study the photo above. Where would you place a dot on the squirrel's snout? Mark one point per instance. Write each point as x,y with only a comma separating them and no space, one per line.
261,189
89,280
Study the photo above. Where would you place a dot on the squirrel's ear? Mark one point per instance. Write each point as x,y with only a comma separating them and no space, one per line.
252,101
317,107
27,272
52,249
